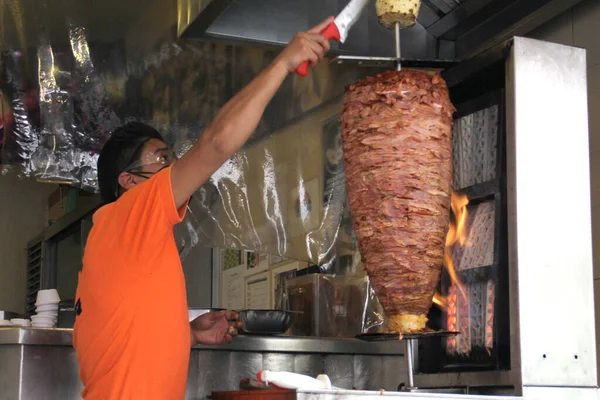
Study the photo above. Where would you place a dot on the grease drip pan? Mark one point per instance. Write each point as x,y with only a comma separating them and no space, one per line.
383,337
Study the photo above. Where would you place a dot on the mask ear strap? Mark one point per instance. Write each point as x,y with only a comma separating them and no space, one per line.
145,175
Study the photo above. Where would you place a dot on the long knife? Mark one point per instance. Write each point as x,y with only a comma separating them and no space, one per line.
338,29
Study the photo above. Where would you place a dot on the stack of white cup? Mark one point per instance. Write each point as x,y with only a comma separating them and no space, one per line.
46,309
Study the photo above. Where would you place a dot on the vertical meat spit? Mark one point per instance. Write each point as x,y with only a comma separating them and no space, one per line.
398,53
411,340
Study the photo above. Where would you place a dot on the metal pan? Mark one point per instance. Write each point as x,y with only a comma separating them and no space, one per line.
266,322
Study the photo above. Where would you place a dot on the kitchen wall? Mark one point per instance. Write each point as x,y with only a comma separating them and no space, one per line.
580,26
23,214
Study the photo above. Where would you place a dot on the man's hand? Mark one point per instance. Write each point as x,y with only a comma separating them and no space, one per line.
215,328
306,46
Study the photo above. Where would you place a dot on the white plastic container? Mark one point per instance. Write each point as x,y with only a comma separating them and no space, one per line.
292,380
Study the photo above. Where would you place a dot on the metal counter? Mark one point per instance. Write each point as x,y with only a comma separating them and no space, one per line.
288,344
280,344
373,395
36,336
41,363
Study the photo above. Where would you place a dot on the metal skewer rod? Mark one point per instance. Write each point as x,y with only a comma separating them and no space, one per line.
398,64
410,361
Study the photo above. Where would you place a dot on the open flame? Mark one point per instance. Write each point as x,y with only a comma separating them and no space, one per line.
456,233
440,300
469,308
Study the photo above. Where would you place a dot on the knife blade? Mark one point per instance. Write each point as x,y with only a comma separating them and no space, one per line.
339,28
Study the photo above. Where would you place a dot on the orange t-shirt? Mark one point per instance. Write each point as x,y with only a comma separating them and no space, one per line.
132,337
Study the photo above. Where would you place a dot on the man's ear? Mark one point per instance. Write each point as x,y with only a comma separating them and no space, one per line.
126,180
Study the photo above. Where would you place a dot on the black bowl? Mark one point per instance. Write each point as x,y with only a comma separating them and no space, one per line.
265,322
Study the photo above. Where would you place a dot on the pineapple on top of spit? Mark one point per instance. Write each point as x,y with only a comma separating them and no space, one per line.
403,12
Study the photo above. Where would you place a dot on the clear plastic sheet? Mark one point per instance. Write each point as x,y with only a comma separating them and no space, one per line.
65,86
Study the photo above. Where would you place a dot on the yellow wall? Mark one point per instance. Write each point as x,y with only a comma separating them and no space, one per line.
23,214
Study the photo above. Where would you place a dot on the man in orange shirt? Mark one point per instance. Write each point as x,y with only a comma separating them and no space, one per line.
132,336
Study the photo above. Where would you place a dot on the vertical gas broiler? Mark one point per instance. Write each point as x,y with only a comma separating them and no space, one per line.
520,284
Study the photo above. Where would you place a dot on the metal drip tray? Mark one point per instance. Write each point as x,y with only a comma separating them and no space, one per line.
381,337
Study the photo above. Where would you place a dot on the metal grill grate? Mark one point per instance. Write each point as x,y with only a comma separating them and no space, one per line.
480,230
474,142
34,274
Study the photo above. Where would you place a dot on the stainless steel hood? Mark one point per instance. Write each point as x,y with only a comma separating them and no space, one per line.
446,29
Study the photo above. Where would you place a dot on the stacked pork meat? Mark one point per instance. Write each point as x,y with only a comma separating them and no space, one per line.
397,141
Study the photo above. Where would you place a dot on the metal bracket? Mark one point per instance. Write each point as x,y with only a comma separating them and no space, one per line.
391,62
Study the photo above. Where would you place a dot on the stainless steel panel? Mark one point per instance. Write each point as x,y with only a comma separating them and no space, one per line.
377,395
309,364
369,372
465,379
10,371
39,372
550,248
211,371
271,21
36,336
50,373
243,365
340,369
196,380
308,345
265,344
394,372
557,393
275,22
220,371
278,362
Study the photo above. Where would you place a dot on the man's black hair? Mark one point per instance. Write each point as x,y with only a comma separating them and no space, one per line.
122,149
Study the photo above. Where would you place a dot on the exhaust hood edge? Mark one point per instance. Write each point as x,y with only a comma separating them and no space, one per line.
197,25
